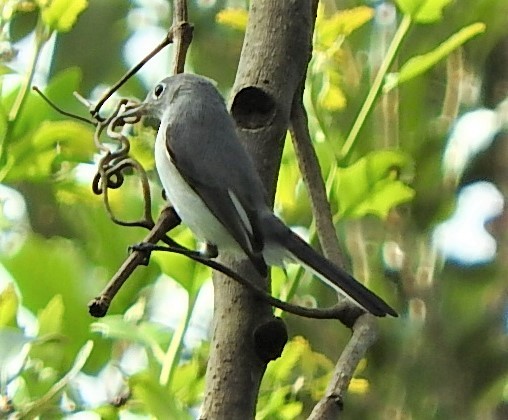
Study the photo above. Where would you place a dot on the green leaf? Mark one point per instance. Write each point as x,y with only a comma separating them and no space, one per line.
423,11
188,382
71,140
5,70
421,63
188,273
156,399
331,97
36,110
40,405
234,18
371,185
44,268
61,15
300,370
331,29
116,327
53,142
8,306
50,318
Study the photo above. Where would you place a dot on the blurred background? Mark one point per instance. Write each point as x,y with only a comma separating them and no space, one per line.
418,199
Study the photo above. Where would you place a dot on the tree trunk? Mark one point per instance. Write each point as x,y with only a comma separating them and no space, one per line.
272,66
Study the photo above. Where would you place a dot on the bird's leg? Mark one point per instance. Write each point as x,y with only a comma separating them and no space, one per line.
207,251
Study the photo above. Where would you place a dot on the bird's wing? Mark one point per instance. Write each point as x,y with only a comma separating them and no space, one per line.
233,210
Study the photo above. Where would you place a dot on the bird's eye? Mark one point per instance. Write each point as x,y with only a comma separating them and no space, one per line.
157,92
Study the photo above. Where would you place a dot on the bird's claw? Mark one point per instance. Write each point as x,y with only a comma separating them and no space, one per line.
144,248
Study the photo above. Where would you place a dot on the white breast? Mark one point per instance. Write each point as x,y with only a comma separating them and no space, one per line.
188,205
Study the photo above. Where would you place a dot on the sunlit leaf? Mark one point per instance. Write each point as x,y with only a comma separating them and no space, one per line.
61,15
53,142
50,318
358,386
371,185
188,273
44,268
341,23
36,110
421,63
8,306
5,70
235,18
155,398
332,97
117,327
188,382
423,11
279,406
70,139
40,405
299,369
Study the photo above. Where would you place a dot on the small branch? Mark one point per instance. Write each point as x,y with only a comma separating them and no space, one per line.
377,84
41,36
165,42
311,173
109,174
454,76
341,312
100,305
60,110
364,335
182,35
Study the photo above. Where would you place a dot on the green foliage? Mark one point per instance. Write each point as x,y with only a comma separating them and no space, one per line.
155,398
8,306
330,64
189,274
419,64
423,11
372,185
61,15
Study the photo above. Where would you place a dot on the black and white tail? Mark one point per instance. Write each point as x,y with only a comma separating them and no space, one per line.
330,273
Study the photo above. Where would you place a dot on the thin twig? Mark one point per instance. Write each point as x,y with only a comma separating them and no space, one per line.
60,110
167,221
377,84
99,305
311,173
454,76
364,335
340,311
165,42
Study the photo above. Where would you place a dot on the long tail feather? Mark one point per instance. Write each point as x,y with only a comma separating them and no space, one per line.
333,275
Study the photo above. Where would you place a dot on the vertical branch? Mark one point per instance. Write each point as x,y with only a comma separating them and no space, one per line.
41,36
377,84
311,173
364,335
272,65
182,35
454,76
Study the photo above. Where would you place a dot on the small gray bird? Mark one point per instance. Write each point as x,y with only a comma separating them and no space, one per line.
214,187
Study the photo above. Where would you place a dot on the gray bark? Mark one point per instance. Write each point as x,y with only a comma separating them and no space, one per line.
272,66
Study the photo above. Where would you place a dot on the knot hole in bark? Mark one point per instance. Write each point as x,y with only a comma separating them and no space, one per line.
270,339
253,108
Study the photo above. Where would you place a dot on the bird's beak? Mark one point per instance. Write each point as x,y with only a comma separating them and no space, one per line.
138,111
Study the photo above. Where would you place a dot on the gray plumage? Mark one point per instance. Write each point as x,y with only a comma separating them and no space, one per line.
211,181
